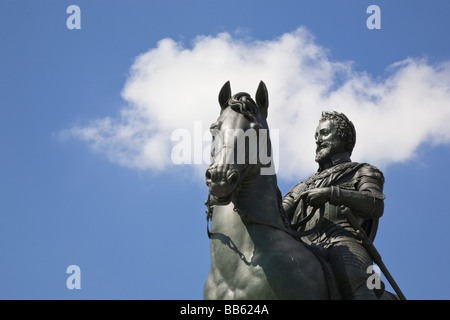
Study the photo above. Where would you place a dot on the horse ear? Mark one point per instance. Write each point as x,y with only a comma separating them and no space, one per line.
262,98
225,94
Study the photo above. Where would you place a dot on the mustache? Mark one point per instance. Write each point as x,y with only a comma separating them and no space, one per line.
323,145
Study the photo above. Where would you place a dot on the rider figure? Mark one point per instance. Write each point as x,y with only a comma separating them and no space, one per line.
339,184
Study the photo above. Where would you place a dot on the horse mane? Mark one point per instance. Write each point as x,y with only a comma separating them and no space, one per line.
243,103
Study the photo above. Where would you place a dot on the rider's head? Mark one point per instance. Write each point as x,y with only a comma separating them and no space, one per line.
334,134
344,127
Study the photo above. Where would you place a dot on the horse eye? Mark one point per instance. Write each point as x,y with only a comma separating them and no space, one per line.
214,127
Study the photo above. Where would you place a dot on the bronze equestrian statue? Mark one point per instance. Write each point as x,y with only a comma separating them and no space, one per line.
301,246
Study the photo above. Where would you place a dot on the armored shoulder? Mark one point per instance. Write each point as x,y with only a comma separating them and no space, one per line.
372,172
370,178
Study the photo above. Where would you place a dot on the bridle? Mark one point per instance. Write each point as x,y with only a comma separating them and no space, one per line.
209,206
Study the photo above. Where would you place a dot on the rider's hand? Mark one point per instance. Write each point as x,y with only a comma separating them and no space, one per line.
316,197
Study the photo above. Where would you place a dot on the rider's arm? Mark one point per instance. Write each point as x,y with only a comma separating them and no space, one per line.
367,201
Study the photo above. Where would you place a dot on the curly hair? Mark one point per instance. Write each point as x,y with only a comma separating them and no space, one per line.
345,128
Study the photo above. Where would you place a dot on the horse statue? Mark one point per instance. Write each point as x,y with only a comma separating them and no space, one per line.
254,252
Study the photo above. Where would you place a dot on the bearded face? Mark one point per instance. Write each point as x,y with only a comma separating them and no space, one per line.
328,142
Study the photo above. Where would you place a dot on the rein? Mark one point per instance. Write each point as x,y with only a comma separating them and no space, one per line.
291,231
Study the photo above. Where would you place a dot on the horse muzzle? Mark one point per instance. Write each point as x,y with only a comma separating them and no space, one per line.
222,181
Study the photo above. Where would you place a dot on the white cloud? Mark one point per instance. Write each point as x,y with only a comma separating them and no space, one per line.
172,87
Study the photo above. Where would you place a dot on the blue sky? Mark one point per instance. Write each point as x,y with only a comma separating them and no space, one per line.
85,132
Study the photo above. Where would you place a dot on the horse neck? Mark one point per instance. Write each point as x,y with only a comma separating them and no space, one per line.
257,200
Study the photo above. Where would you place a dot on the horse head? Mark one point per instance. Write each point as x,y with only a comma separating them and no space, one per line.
237,141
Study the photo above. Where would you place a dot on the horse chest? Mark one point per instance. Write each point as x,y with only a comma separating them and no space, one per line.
234,271
231,241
